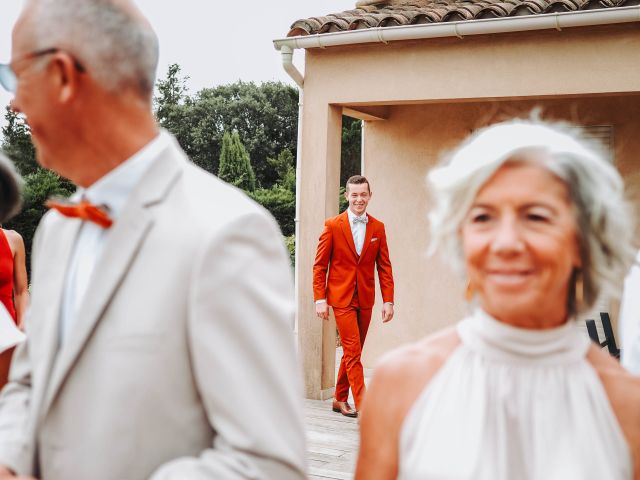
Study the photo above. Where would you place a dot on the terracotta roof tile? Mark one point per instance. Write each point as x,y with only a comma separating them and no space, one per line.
388,13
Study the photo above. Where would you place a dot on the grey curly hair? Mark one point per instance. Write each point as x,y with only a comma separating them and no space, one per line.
603,217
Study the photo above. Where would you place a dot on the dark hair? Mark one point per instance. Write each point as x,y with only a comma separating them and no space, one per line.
358,180
10,191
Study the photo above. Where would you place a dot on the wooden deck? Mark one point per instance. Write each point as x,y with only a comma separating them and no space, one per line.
332,442
332,438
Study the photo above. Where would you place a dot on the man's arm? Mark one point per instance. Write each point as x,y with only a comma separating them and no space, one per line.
321,263
385,273
15,444
243,357
16,454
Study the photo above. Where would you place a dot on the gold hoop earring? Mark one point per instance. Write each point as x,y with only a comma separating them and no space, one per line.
469,292
579,289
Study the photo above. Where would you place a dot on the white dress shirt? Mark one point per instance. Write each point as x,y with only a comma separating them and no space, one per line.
111,191
358,230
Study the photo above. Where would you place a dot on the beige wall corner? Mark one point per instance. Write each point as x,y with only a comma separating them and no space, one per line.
319,186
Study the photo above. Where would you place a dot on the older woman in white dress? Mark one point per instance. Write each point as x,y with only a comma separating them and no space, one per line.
538,223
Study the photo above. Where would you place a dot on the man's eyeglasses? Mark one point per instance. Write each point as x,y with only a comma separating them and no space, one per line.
8,78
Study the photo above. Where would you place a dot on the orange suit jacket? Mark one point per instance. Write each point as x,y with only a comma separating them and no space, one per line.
337,253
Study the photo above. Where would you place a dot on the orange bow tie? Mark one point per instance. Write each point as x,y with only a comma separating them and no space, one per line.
83,210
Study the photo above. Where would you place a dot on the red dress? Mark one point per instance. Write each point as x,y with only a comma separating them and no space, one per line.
6,297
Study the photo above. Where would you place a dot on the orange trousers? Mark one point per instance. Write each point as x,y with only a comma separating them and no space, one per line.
353,324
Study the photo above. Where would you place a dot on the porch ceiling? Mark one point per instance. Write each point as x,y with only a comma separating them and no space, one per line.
390,13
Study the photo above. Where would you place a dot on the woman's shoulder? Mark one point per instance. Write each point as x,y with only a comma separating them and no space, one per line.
623,391
615,378
12,236
433,349
408,369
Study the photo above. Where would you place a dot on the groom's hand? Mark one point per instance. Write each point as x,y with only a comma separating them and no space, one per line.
322,310
387,312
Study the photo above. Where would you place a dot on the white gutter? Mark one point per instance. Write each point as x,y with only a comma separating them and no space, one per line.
557,21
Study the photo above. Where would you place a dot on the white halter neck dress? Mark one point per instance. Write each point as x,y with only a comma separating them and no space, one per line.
514,404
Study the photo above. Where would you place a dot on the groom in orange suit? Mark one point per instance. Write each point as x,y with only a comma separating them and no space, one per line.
352,243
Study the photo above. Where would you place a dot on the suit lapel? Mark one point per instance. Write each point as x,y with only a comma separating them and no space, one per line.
60,239
346,230
125,240
367,237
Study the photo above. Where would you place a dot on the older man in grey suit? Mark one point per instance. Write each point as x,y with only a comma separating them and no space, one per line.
159,334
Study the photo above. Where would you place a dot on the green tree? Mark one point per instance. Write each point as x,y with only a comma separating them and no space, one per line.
171,93
351,154
281,203
17,145
38,187
265,116
343,204
290,242
235,163
284,166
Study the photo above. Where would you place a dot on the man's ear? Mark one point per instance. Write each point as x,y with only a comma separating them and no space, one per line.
65,75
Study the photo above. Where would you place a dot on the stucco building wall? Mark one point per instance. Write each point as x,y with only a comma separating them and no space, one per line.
430,94
398,153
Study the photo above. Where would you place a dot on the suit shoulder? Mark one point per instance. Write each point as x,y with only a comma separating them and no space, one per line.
331,221
375,220
50,221
206,191
200,206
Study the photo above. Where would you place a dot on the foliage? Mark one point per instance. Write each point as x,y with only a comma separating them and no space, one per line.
351,156
170,97
290,242
38,187
265,116
17,145
284,166
282,205
235,164
343,204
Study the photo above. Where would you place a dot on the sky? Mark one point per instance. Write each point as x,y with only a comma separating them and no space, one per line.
215,42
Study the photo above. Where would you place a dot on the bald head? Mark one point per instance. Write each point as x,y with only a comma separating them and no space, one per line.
111,39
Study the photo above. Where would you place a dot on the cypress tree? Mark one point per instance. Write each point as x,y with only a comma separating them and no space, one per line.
235,164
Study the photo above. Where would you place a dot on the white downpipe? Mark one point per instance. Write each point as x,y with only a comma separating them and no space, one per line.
294,73
289,67
362,134
546,21
297,217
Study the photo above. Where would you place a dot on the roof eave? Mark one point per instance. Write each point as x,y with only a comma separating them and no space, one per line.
466,28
